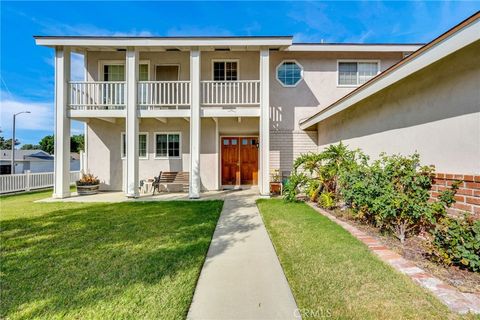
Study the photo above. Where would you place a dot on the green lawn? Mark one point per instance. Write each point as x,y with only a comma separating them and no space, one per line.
122,260
334,275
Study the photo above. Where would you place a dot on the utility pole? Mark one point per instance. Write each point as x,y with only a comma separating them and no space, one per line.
13,141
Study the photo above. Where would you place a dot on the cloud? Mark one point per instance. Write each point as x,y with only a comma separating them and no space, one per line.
77,68
54,27
40,118
191,30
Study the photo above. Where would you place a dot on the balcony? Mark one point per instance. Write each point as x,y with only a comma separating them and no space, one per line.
163,98
163,94
230,93
98,95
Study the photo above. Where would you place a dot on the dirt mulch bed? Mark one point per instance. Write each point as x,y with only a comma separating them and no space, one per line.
414,249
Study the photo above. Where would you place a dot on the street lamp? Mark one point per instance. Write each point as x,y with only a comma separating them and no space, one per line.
13,141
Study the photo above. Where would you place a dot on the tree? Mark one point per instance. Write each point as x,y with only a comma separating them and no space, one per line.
76,143
29,146
47,144
7,144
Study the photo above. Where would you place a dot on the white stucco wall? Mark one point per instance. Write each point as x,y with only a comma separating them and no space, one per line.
435,111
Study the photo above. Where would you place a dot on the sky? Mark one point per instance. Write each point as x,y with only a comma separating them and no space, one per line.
27,73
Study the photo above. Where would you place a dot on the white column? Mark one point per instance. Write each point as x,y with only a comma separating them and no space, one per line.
85,124
264,177
194,189
61,187
131,72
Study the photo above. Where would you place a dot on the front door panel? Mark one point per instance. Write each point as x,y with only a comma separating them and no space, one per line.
239,160
248,160
230,161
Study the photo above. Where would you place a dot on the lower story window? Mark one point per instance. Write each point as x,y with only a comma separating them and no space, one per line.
142,145
167,145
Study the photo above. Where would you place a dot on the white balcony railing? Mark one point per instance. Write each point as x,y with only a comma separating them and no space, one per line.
97,95
219,93
153,94
103,95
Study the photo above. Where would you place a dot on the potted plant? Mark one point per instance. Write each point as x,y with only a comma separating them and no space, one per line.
275,183
88,184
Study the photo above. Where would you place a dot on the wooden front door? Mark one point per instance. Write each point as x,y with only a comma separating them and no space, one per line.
239,160
248,160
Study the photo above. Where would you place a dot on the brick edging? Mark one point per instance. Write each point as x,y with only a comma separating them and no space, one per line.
455,300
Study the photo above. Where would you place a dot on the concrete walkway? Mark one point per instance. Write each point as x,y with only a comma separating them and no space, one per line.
242,277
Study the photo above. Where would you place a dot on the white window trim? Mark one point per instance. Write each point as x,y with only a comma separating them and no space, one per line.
356,61
122,135
102,63
179,145
289,85
167,65
226,60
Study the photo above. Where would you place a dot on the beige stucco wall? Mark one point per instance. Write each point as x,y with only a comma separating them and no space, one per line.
318,89
182,59
248,62
104,148
435,111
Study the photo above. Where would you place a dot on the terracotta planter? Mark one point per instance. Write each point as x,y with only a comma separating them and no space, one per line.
275,188
87,190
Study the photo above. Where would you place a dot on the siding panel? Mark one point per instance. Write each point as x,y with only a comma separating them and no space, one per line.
285,146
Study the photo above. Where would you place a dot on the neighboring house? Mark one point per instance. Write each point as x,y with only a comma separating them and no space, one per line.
33,160
228,110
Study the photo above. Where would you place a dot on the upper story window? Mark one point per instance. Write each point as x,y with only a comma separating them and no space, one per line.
225,70
354,73
289,73
115,71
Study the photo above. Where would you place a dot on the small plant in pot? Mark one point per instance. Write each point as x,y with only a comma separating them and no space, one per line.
88,184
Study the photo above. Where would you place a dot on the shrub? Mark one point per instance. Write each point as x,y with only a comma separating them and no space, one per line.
393,193
290,190
327,200
457,241
316,173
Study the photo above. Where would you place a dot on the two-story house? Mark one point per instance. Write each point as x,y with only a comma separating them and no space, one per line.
225,109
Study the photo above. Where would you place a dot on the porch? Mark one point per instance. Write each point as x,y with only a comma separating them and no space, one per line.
119,196
128,81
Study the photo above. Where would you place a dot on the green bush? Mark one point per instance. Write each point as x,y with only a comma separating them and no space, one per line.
316,173
327,200
290,190
457,241
393,193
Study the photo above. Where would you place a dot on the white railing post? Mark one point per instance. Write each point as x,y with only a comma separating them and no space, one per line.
27,180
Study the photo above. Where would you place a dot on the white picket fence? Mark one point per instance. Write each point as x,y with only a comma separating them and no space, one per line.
30,181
